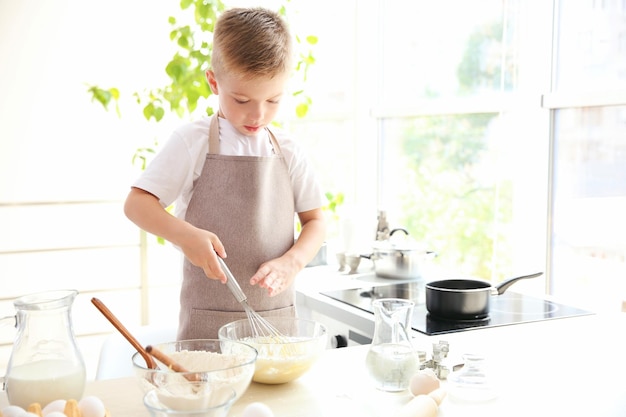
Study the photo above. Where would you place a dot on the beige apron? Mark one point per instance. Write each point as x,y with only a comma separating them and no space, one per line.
248,202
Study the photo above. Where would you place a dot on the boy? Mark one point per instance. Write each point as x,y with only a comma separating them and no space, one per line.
236,184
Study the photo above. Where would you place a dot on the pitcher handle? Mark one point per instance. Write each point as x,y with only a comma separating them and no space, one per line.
5,321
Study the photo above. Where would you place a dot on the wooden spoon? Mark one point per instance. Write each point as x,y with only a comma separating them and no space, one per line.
171,363
150,363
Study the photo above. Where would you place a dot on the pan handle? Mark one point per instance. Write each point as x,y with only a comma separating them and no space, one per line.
502,287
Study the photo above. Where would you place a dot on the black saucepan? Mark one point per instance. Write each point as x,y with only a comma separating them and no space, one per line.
464,299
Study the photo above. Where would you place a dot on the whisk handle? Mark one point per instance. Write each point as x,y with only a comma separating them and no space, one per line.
232,283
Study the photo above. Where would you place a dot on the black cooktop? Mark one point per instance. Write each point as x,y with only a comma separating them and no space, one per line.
505,309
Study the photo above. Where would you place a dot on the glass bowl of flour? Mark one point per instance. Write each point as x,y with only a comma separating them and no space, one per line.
189,399
219,364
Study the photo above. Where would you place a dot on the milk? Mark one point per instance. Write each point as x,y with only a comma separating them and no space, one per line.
44,381
391,366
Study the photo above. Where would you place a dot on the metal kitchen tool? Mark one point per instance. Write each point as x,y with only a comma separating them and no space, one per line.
436,363
261,328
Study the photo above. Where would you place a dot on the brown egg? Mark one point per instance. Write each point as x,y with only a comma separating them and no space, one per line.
423,382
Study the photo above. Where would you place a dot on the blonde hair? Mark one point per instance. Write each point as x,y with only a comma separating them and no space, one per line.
251,41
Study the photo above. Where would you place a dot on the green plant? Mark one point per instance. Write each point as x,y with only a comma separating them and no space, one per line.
334,201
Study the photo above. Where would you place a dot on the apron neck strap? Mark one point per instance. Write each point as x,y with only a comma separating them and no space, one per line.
214,137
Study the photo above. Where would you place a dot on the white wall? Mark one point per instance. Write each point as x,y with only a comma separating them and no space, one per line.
56,146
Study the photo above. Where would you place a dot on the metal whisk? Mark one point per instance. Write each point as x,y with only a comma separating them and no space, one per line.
261,328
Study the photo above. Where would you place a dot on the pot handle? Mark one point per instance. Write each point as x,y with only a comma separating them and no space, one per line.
370,256
502,287
399,229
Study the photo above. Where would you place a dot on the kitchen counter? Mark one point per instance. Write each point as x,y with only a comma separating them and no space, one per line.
336,385
569,367
564,367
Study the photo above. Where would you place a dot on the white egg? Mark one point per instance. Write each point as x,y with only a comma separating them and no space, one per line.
423,382
12,411
257,410
28,414
55,414
56,405
91,407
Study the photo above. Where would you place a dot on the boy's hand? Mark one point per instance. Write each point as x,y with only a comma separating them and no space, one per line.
275,275
202,247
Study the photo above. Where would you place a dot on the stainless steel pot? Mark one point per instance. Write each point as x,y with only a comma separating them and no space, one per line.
398,259
464,299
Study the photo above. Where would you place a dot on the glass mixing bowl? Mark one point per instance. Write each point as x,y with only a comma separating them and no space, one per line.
222,364
281,358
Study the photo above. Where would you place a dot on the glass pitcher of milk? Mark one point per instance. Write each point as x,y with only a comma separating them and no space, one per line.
392,360
45,363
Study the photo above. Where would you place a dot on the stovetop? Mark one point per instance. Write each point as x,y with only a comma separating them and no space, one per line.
505,309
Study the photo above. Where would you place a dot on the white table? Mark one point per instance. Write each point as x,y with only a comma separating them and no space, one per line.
564,367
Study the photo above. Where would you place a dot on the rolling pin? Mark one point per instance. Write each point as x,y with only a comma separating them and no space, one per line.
423,405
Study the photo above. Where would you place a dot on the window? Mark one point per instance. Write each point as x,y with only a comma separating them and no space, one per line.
588,239
497,151
463,140
588,194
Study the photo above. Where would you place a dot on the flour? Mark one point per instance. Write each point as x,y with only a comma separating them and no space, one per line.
200,361
195,396
219,373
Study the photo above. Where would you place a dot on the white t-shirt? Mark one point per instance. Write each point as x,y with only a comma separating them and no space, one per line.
171,174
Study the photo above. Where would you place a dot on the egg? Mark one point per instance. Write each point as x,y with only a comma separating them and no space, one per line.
12,411
91,407
55,414
257,410
423,382
52,406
